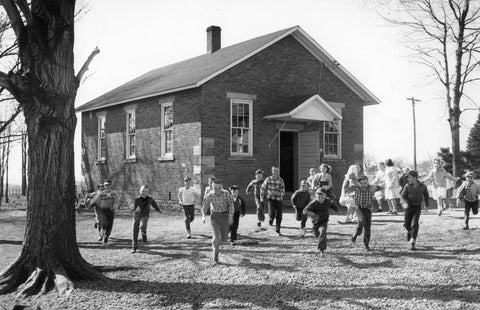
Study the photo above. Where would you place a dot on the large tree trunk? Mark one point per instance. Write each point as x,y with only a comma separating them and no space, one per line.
46,88
456,155
50,254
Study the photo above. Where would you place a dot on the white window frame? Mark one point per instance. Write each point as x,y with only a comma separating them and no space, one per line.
163,151
250,127
101,119
339,140
128,135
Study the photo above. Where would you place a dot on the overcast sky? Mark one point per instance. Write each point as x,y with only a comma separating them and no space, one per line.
137,36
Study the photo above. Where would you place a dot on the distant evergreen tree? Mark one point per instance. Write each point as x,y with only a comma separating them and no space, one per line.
446,155
473,146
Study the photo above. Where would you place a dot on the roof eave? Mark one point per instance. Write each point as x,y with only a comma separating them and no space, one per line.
308,42
281,116
86,109
346,77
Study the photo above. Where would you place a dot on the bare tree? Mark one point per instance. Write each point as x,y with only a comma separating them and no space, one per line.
369,162
424,167
8,54
445,38
45,85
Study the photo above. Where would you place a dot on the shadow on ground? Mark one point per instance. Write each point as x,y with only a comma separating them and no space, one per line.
225,296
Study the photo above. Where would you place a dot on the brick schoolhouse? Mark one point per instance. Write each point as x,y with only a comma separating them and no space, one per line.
279,99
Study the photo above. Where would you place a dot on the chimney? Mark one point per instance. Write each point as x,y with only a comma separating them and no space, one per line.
214,39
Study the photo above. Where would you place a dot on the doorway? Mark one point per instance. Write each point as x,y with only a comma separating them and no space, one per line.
288,159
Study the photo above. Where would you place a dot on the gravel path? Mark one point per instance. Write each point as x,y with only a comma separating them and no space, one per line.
280,272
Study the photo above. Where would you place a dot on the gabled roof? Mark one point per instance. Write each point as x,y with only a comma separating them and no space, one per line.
312,109
196,71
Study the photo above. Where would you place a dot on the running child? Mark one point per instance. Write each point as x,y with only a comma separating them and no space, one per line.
300,200
239,210
256,184
318,210
186,197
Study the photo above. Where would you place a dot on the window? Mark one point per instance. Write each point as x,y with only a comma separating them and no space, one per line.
167,130
241,127
102,138
332,139
130,134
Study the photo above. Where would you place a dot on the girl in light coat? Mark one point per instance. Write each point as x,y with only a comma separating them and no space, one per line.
348,199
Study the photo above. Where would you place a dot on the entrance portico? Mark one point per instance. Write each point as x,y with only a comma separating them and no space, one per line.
299,137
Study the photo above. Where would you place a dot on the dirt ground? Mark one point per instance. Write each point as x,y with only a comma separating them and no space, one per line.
280,272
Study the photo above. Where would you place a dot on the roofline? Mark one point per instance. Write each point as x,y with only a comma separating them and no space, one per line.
202,81
277,115
303,38
325,103
173,90
233,64
309,100
336,68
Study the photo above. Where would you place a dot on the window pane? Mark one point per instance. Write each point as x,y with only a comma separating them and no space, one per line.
131,122
332,127
240,128
168,118
246,118
234,108
234,120
234,140
131,145
245,141
103,148
102,127
168,141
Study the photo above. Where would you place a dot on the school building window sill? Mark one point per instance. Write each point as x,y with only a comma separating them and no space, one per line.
333,159
166,158
130,160
241,157
101,162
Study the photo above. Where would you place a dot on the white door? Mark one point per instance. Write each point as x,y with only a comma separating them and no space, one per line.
308,153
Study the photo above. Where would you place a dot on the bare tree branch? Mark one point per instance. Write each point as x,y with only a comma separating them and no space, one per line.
14,15
5,124
84,68
10,140
9,51
472,80
446,40
470,109
24,8
5,82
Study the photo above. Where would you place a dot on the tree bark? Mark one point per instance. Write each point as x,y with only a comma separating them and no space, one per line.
45,86
7,199
50,255
2,171
24,164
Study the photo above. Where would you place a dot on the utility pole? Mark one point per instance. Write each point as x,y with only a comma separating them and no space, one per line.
413,100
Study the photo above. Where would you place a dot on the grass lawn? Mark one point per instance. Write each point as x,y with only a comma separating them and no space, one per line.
280,272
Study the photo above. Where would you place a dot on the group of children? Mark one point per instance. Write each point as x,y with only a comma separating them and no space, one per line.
313,199
359,196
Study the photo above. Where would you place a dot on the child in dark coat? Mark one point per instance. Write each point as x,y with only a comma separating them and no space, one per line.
300,200
239,210
318,210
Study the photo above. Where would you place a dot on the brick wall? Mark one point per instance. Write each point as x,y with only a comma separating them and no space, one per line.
164,177
281,73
